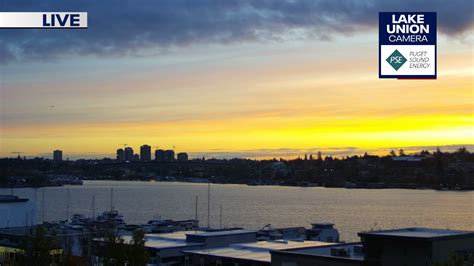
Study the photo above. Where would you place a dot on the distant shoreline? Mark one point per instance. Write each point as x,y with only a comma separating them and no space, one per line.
367,186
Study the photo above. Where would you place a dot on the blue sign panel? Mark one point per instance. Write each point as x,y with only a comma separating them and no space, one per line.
407,45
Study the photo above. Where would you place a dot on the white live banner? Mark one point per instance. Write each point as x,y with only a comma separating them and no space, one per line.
43,20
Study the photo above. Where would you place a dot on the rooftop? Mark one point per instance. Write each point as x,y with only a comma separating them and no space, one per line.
170,240
180,238
256,251
221,233
418,233
352,251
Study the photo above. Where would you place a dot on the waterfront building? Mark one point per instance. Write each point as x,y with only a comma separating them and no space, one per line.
120,155
346,254
169,156
58,155
128,154
250,253
415,246
145,153
182,157
159,155
167,249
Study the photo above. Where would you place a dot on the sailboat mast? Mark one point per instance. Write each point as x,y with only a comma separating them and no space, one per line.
42,203
196,209
93,207
208,204
67,208
220,218
111,199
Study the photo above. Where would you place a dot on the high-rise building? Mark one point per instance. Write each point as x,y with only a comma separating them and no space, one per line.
58,155
169,156
145,153
136,158
159,155
128,154
182,157
120,155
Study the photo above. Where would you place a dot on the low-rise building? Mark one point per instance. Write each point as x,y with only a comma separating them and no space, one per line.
415,246
348,254
167,249
252,253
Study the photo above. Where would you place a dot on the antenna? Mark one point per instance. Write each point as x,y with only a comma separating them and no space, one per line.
208,204
124,145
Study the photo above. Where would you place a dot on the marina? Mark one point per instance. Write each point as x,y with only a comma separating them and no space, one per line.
253,207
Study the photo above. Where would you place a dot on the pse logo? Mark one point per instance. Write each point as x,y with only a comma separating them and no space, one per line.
43,20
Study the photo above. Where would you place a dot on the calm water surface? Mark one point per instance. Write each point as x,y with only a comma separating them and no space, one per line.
252,207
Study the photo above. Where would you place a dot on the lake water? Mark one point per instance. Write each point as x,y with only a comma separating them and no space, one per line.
252,207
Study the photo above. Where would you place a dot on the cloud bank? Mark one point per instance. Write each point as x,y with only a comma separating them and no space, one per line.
118,28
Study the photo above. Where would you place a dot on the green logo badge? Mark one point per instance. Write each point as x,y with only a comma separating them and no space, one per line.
396,60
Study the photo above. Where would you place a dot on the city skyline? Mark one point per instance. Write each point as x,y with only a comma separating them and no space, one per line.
263,154
275,86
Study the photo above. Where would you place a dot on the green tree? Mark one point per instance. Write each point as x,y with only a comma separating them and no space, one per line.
37,246
138,254
115,250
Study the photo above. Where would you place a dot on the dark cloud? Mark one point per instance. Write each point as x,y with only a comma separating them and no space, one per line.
131,27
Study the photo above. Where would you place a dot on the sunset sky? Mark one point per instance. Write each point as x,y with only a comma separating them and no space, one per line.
229,78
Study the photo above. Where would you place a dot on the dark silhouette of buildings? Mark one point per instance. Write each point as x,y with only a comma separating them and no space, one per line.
168,156
120,155
128,154
159,155
145,153
58,155
182,157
